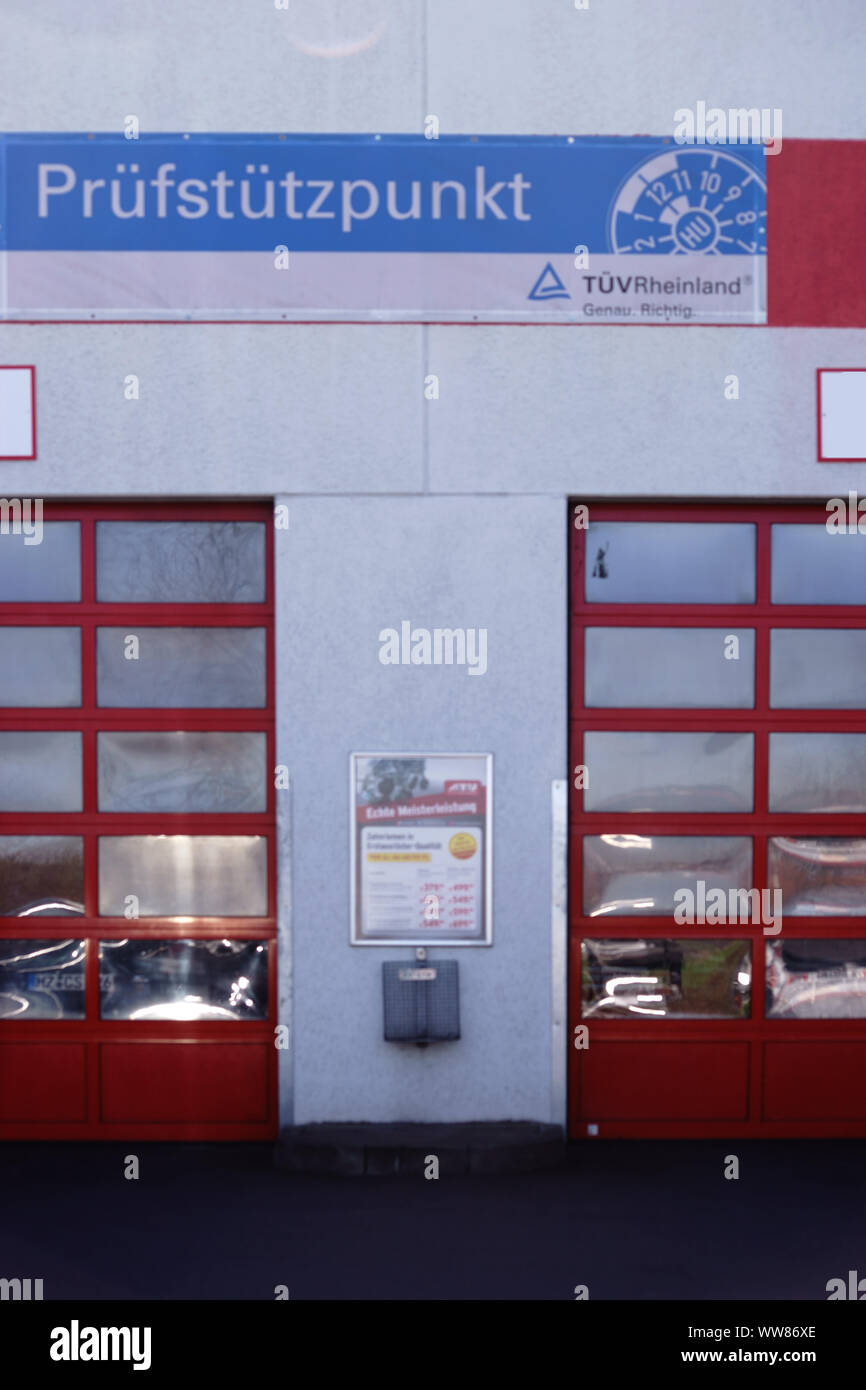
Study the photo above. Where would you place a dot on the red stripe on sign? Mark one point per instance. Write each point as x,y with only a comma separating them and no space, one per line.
816,213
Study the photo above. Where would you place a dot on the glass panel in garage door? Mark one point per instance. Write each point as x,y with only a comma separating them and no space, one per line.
207,981
677,668
665,978
41,980
668,562
661,771
816,979
640,874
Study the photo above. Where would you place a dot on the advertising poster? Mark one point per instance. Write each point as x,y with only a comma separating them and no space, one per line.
421,848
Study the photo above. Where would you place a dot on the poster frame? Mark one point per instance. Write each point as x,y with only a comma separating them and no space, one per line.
422,936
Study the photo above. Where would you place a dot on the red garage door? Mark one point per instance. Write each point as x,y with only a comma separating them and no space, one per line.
137,872
718,823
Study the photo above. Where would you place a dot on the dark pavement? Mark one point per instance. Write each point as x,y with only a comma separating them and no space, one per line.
631,1220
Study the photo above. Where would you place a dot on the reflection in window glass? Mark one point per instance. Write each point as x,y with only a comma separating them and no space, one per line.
817,772
813,668
182,668
816,979
49,572
669,562
819,877
180,561
672,668
41,667
814,565
639,874
41,876
198,771
184,875
41,979
201,981
40,771
665,978
651,771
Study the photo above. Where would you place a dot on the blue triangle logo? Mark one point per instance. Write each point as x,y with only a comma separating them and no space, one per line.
548,286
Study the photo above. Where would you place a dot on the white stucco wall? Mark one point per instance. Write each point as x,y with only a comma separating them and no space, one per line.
493,66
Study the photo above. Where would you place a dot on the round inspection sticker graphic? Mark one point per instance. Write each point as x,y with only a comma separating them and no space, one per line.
463,845
697,199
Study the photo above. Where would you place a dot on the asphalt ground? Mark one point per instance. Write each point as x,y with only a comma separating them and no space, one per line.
629,1220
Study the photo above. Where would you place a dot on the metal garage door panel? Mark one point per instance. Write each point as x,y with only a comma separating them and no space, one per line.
43,1082
184,1082
664,1081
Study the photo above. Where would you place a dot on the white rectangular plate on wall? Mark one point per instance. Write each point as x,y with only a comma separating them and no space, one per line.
842,414
17,412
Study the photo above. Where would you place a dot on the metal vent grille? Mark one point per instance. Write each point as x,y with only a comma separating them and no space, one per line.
421,1002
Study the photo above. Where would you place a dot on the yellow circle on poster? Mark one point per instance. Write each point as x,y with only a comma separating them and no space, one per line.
463,845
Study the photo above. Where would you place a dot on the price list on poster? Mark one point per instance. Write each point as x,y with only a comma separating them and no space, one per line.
421,878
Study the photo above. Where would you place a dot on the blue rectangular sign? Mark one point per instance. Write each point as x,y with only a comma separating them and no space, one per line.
502,228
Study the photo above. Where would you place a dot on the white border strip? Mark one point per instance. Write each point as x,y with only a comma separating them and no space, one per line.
559,954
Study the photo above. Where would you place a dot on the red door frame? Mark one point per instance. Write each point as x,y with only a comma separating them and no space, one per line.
756,1031
92,1032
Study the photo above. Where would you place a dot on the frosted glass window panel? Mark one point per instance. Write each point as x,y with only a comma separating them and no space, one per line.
41,980
814,565
180,561
195,981
816,979
669,667
40,771
190,771
819,877
182,668
40,667
669,562
817,772
41,876
639,874
184,875
668,771
665,979
817,668
49,572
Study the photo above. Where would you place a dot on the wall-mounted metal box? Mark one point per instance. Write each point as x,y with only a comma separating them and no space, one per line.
421,1001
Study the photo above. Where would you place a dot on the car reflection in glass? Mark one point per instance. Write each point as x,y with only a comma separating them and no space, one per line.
611,967
638,977
41,979
183,980
51,907
816,979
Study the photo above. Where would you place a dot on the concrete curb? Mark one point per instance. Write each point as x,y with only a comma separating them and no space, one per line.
403,1150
